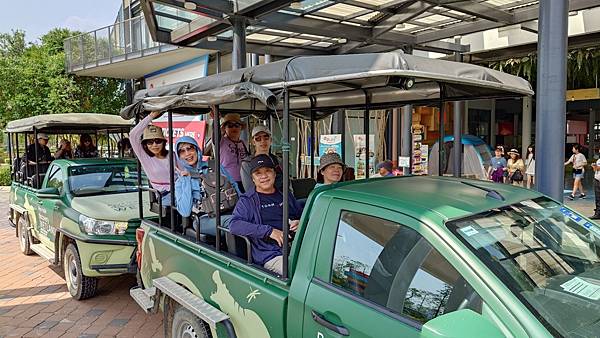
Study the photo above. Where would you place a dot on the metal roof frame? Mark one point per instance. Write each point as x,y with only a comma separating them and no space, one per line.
347,26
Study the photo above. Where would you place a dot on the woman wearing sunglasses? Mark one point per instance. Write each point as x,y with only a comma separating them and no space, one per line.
148,143
233,149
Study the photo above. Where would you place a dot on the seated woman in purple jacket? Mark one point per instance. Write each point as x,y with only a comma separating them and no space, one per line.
259,215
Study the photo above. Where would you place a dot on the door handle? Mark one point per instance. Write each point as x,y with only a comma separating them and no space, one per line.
317,317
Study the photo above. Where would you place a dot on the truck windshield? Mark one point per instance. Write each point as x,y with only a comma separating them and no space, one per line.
103,179
548,257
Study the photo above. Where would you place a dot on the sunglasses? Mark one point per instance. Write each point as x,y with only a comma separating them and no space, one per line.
233,125
155,141
261,138
185,149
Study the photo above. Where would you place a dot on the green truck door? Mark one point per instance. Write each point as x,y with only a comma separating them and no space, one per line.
376,276
47,207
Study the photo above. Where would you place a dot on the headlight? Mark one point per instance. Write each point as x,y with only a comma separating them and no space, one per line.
93,226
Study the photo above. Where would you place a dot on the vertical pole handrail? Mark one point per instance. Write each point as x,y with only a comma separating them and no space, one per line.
366,127
10,162
217,170
441,149
139,181
285,147
171,172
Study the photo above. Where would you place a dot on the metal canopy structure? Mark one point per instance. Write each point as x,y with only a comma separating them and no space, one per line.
309,27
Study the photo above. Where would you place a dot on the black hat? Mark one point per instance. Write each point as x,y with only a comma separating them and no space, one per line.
261,161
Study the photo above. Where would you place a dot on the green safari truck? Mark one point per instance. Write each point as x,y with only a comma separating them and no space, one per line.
81,213
392,257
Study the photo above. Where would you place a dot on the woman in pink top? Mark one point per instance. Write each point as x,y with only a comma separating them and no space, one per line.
148,143
233,150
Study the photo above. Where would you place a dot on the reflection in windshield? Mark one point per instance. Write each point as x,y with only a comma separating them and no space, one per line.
103,179
547,255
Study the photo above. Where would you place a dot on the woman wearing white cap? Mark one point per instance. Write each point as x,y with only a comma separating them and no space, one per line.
232,149
261,140
148,144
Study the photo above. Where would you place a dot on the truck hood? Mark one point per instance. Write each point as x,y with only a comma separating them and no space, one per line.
116,207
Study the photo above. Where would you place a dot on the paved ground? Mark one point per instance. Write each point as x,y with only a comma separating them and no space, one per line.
34,300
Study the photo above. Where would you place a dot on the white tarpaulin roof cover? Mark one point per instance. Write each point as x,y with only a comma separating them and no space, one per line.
333,82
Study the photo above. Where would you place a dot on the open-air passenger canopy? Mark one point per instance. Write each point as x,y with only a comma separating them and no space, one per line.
312,87
328,83
58,123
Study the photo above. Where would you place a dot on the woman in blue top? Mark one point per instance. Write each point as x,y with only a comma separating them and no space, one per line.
497,167
188,187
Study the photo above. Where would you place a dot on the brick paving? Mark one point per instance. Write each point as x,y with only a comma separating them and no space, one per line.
34,301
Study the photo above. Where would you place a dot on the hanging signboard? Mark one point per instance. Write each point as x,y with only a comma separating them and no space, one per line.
364,160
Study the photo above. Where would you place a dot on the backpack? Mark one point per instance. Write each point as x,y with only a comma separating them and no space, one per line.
227,190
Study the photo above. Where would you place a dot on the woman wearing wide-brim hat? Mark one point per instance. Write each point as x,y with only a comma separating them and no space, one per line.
332,168
233,150
515,167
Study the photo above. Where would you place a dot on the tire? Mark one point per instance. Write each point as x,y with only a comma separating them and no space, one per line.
186,325
80,286
24,236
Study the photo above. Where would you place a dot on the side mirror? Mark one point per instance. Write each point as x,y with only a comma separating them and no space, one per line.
461,323
48,193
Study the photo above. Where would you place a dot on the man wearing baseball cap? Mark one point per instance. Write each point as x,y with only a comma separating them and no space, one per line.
259,215
43,152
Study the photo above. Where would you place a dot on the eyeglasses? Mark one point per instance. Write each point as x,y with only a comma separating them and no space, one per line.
233,125
155,141
262,138
185,149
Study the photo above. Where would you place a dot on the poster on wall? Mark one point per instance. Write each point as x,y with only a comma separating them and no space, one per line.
360,156
330,144
419,150
183,125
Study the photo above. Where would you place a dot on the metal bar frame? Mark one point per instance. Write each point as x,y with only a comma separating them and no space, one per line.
35,141
217,170
285,147
10,159
171,172
441,152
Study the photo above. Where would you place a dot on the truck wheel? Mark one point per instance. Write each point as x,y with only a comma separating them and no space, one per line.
24,236
80,286
186,325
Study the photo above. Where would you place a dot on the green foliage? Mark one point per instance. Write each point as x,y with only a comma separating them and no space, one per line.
5,175
33,80
583,67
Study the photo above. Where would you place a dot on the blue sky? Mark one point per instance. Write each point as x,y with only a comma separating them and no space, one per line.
37,17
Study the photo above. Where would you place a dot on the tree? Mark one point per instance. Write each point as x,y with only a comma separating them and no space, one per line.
33,80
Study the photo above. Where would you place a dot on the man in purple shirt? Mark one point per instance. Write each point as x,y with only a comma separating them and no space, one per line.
259,216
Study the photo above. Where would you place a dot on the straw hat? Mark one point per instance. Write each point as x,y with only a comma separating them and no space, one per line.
232,117
514,151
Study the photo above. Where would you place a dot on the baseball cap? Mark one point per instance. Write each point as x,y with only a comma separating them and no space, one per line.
261,129
385,164
42,135
151,132
261,161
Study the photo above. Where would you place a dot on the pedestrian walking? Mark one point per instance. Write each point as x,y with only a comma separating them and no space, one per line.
530,166
515,168
498,164
579,161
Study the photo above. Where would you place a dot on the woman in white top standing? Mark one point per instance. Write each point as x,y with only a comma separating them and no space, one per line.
530,166
579,161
